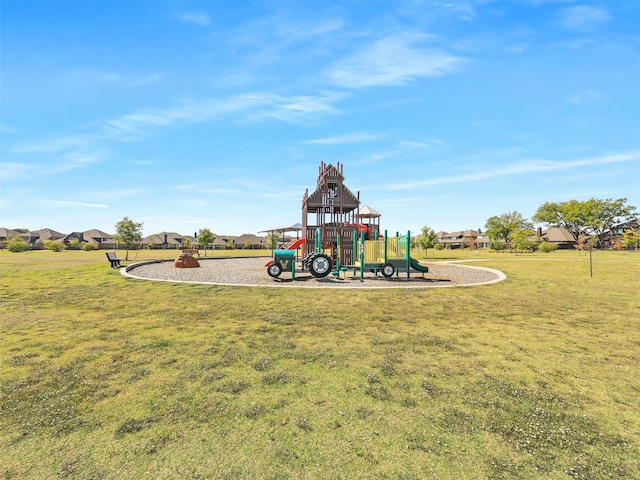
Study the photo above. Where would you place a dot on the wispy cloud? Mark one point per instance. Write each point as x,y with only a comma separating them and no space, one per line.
113,78
74,161
521,168
584,97
584,17
393,60
344,139
116,194
70,203
14,169
53,145
253,106
197,18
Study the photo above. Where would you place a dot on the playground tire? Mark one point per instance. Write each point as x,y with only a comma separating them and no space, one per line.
274,270
308,259
387,270
320,266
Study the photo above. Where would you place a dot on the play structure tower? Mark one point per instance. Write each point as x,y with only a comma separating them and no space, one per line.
333,210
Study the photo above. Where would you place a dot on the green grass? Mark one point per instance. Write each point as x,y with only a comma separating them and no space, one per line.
103,376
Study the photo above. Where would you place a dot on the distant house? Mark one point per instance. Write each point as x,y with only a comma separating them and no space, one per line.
220,243
164,240
618,230
35,239
464,238
558,235
248,240
94,236
5,235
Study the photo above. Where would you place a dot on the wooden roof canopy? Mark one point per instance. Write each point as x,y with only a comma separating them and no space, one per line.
330,187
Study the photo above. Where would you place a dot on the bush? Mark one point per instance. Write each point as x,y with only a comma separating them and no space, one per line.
54,246
547,247
439,246
89,246
498,246
17,244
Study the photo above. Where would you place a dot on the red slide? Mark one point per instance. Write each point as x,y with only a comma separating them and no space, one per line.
294,246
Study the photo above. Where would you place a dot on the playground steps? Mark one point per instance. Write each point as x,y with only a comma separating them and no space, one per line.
341,272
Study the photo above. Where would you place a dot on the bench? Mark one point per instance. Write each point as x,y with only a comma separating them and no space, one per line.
113,258
191,251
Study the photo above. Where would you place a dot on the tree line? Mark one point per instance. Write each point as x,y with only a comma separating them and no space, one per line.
588,221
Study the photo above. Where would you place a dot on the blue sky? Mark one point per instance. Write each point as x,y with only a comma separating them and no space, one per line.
216,114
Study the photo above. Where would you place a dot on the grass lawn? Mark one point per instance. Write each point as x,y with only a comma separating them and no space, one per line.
106,377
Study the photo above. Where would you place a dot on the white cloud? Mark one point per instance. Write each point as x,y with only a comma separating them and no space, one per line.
14,169
344,139
52,145
70,203
520,168
74,161
254,106
584,17
392,60
197,18
89,77
584,97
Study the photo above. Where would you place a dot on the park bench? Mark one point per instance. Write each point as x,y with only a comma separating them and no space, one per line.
113,258
191,251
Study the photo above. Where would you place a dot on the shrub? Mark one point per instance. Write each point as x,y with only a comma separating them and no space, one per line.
54,246
439,246
89,246
498,246
547,247
17,244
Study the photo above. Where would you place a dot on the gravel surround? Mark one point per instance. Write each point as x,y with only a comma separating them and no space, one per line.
251,271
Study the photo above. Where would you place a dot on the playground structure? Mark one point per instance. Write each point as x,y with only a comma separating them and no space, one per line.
339,235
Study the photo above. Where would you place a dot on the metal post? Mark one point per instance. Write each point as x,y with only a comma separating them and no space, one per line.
408,253
362,255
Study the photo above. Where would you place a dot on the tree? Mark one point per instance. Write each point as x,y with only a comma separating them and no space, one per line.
592,216
631,239
272,239
247,244
472,240
427,239
205,238
606,213
521,239
572,215
128,233
500,229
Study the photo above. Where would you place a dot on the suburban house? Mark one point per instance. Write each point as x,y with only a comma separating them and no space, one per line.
35,239
558,235
6,235
619,229
165,240
94,236
250,241
464,238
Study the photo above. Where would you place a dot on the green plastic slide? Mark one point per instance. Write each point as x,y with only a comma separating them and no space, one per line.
416,266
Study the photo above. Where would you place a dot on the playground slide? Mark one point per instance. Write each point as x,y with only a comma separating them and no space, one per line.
294,246
416,266
297,244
